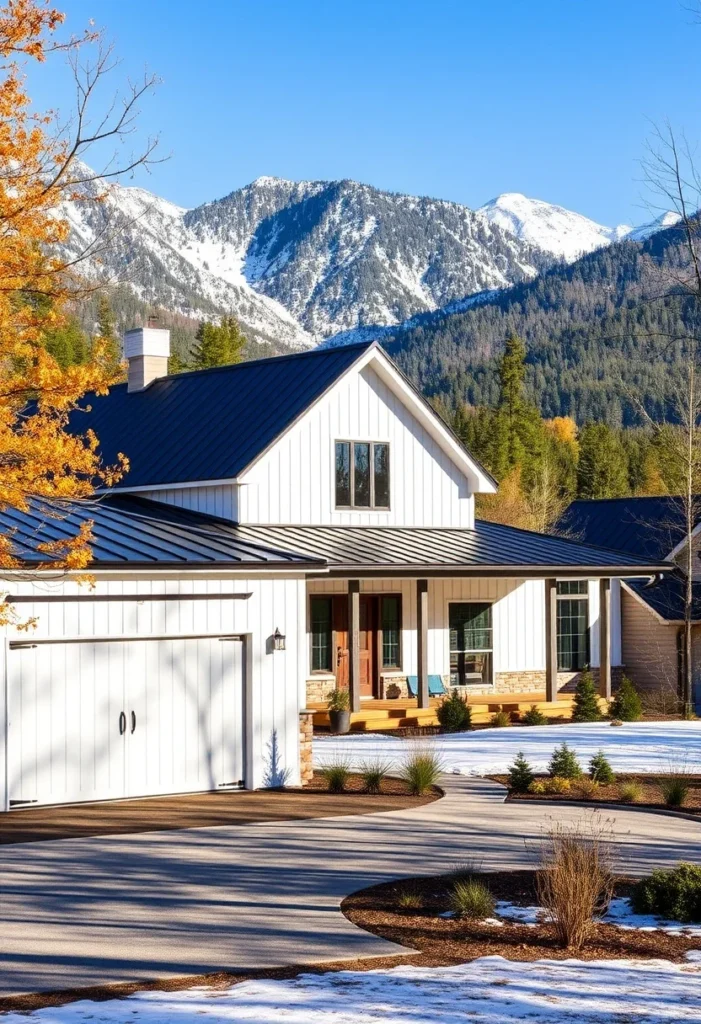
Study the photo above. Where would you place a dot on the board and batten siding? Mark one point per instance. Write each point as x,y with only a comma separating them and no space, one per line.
294,481
518,619
214,499
275,679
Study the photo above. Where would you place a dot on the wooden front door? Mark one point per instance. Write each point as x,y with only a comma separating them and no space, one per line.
368,643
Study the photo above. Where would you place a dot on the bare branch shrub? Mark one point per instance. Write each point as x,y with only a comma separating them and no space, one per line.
575,878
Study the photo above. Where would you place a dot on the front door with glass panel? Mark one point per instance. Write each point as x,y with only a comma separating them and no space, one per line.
470,643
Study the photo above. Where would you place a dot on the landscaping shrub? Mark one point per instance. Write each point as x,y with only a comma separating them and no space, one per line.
338,700
630,792
675,790
626,705
410,899
575,880
534,716
421,771
520,774
336,775
454,713
538,787
586,700
500,719
559,785
587,788
471,899
674,894
372,774
600,770
564,763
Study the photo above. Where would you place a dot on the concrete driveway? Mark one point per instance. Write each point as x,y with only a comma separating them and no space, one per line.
81,912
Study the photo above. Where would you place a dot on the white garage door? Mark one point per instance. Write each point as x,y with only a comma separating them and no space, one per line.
95,720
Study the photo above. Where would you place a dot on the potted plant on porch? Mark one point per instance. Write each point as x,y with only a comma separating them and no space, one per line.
339,711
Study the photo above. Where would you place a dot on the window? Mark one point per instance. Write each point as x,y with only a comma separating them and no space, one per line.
322,638
572,625
362,474
470,643
391,624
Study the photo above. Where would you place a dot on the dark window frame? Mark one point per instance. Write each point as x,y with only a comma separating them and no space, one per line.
489,651
332,635
372,507
573,592
380,633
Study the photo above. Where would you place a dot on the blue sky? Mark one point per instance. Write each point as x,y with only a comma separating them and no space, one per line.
459,100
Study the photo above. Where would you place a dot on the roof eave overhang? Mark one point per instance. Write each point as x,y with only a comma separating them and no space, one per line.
354,570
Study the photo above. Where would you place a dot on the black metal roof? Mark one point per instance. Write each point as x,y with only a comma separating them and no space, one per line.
666,596
500,549
131,532
209,424
645,527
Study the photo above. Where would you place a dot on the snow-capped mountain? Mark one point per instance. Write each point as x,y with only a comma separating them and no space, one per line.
665,220
301,262
554,229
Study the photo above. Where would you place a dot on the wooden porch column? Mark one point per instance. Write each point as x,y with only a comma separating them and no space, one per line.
605,638
422,641
551,640
354,644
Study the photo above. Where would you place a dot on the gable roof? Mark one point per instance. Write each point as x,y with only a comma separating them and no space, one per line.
645,527
667,596
130,532
210,425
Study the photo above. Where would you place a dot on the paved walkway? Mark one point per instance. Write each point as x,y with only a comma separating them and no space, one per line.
81,912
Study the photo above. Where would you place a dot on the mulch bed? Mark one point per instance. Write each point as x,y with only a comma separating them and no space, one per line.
202,810
444,942
650,792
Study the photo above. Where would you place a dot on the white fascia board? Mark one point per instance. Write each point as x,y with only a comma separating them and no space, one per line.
680,546
167,487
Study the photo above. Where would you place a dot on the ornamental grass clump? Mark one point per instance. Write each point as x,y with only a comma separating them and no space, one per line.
626,705
675,790
600,769
421,771
336,776
373,773
534,716
500,719
674,894
410,899
454,713
471,899
586,700
564,764
630,792
576,878
521,774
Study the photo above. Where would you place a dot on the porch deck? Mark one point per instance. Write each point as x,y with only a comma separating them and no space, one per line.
405,713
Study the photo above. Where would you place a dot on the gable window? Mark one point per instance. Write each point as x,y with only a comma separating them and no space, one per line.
362,474
471,644
321,634
572,625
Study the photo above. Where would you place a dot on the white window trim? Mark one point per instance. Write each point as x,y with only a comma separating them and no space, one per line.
471,600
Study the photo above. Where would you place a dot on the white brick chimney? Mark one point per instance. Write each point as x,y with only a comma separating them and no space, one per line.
146,350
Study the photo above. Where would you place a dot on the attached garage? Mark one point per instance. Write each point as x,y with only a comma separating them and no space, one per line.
106,719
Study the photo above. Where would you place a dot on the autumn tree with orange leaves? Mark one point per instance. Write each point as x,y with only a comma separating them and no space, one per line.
42,166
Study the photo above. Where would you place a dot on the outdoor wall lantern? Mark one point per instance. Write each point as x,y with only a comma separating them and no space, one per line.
278,640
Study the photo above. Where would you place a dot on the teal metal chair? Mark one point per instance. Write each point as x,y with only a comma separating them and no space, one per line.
435,686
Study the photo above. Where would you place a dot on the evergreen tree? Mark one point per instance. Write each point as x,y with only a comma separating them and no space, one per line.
68,344
600,770
520,774
626,705
218,344
586,700
564,764
602,471
107,333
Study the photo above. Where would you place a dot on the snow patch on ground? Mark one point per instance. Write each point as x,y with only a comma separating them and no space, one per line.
619,913
633,747
490,990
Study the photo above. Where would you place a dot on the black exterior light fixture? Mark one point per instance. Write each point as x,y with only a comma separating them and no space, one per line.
278,640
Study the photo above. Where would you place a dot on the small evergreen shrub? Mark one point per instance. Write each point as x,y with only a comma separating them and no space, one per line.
472,899
500,719
534,716
564,763
630,792
626,705
454,713
520,774
586,700
538,787
674,894
421,770
372,774
336,776
600,770
674,790
338,700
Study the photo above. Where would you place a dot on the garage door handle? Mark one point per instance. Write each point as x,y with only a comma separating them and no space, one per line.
133,721
122,723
